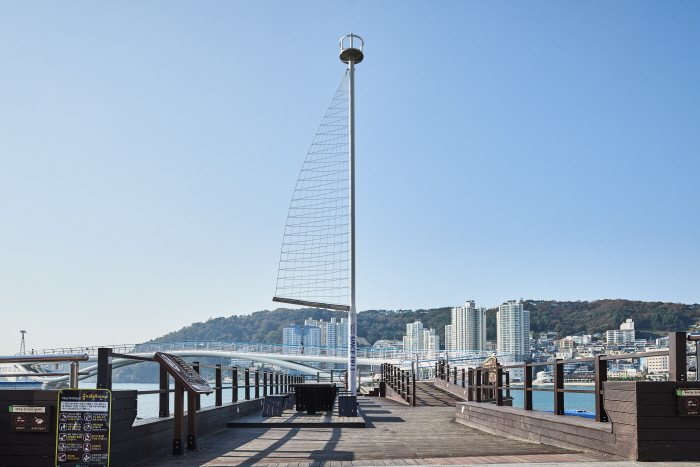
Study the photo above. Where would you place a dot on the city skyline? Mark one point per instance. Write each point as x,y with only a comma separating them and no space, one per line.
539,150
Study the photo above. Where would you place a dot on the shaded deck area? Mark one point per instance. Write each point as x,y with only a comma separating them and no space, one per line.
395,434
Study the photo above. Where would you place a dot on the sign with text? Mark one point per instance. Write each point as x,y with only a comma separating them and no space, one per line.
183,373
30,418
688,402
83,427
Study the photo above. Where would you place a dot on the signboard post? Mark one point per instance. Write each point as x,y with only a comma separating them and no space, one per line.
83,427
186,379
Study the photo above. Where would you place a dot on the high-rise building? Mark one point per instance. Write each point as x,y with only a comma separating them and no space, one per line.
291,339
414,336
297,339
468,328
513,330
419,338
431,340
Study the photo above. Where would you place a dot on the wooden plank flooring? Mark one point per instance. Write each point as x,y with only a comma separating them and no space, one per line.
290,418
396,434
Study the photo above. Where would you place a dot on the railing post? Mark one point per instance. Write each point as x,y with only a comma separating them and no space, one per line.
601,374
558,385
257,384
264,383
104,368
164,396
470,384
277,383
178,423
413,391
527,387
478,384
464,383
677,359
234,385
73,378
197,398
219,383
506,375
499,383
246,374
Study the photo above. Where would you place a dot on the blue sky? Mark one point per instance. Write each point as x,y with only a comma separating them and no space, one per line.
149,152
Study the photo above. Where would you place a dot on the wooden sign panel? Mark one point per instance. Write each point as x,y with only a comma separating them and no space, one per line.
183,373
83,427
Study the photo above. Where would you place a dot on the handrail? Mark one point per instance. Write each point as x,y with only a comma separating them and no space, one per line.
483,387
402,382
45,358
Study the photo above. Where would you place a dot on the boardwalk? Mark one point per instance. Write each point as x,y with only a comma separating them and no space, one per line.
396,434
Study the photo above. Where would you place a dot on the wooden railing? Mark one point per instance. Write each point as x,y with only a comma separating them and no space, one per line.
489,384
402,382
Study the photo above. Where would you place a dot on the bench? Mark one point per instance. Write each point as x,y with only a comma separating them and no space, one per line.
274,405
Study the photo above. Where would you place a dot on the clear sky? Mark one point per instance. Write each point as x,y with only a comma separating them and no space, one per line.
149,150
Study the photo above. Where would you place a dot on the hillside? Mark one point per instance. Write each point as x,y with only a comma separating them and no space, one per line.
565,318
652,319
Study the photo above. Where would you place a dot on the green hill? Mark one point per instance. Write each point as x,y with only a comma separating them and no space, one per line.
652,319
565,318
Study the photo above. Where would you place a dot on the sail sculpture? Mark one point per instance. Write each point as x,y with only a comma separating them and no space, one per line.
317,262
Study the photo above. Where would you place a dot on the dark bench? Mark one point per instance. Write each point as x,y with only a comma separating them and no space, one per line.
274,404
313,397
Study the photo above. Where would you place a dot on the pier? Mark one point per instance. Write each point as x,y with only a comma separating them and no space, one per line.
395,434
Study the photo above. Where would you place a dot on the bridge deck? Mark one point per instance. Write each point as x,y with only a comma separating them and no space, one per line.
396,434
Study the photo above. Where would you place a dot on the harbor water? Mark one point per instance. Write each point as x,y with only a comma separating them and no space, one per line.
541,400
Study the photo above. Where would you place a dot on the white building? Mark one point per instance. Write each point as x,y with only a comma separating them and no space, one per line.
414,336
467,331
513,330
625,335
419,338
431,340
298,339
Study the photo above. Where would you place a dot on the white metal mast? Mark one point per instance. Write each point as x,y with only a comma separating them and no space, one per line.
351,56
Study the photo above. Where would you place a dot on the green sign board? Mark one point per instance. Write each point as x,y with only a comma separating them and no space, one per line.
83,427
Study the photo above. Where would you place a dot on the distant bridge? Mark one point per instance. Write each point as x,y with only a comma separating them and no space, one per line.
293,357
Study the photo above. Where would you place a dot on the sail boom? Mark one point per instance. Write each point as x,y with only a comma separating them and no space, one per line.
329,306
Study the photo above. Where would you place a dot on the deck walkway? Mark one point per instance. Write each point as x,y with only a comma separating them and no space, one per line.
396,434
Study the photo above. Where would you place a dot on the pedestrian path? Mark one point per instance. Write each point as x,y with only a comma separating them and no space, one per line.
396,434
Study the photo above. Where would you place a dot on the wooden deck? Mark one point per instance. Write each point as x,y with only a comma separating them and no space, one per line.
290,418
396,434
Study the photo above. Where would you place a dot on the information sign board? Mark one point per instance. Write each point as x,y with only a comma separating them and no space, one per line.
83,427
183,373
30,418
688,402
491,363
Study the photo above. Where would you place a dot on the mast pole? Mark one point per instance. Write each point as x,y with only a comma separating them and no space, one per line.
351,56
352,315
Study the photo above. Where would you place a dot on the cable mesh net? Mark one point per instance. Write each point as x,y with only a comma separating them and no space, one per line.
315,257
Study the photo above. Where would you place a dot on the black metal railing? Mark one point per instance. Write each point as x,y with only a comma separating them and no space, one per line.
489,384
402,382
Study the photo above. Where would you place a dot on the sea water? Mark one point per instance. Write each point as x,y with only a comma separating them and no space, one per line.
544,400
147,404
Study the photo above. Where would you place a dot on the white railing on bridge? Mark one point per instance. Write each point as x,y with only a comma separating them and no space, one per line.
465,356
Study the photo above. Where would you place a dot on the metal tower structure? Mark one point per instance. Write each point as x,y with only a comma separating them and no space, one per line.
21,345
317,261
